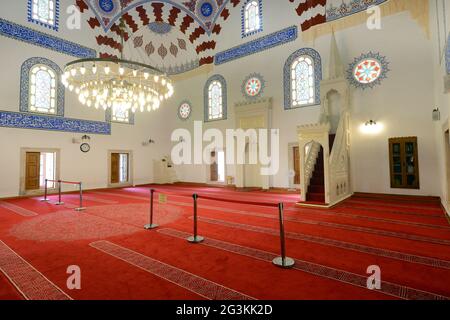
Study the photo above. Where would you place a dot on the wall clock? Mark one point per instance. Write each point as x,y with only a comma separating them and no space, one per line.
85,147
184,110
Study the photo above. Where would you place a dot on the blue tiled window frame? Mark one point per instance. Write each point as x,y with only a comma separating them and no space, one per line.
54,27
221,79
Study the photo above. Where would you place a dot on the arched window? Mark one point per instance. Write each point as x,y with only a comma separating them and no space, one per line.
302,76
41,90
215,99
251,17
119,114
44,12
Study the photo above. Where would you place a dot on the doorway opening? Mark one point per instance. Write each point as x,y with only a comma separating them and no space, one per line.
38,165
217,169
120,168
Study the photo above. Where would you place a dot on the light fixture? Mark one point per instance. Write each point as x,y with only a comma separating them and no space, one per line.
146,143
436,115
371,127
117,83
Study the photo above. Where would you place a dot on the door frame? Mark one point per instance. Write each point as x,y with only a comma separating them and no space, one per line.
23,155
208,168
130,182
291,147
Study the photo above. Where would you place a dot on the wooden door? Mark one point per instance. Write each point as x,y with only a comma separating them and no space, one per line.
214,168
296,151
32,171
404,163
115,167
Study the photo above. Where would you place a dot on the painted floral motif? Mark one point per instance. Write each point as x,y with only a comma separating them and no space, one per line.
368,70
184,111
160,28
253,86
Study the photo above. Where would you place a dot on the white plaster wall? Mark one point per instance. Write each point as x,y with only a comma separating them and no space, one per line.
440,27
402,103
91,168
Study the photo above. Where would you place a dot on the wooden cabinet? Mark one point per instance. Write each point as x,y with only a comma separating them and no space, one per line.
404,163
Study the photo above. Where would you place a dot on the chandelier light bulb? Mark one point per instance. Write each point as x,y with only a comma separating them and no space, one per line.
126,84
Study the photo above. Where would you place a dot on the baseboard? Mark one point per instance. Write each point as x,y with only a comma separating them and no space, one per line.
341,200
69,192
446,209
404,197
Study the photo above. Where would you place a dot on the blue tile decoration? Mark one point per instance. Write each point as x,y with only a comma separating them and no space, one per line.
243,33
108,117
160,28
315,56
199,10
50,123
272,40
25,84
21,33
244,86
347,8
383,75
447,55
222,80
52,27
177,69
106,5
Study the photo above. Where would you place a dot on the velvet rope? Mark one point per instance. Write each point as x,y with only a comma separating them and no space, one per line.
256,203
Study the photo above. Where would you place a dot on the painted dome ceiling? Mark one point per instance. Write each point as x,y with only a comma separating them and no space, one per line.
180,35
173,35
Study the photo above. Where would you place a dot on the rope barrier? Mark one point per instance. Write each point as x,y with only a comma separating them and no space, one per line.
60,182
283,261
151,225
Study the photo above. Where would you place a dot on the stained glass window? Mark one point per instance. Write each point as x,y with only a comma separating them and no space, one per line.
252,17
215,101
120,114
44,11
42,89
302,78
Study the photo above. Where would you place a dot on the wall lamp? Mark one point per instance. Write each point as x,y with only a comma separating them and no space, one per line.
436,114
371,127
149,142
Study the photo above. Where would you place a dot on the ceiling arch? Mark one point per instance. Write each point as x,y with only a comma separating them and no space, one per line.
144,18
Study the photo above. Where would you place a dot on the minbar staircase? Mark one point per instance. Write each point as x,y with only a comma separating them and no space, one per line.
316,188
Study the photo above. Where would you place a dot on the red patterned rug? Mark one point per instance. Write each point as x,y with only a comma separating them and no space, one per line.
407,237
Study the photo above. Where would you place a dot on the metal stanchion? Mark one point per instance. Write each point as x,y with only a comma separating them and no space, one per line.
45,192
151,225
81,208
59,194
196,238
283,261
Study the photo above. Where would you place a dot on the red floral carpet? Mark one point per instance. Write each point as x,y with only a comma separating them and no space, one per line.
407,237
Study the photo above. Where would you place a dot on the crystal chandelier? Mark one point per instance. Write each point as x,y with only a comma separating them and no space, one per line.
117,83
